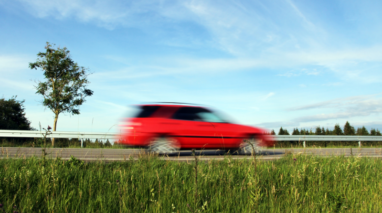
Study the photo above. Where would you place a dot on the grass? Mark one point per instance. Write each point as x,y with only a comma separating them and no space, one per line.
296,183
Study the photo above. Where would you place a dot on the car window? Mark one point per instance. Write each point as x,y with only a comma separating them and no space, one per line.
197,114
146,111
187,113
210,117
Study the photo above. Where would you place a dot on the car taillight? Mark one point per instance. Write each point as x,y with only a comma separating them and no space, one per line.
130,125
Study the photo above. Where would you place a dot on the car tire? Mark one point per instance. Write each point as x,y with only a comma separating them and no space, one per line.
250,145
162,145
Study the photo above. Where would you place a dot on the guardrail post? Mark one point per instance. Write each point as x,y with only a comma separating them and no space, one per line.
304,144
82,143
359,144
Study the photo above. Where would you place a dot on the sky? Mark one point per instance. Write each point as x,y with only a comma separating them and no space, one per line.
271,64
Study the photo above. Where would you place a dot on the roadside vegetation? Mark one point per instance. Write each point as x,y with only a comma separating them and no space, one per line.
65,87
296,183
337,130
59,143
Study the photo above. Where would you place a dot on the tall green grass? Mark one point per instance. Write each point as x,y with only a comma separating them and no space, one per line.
296,183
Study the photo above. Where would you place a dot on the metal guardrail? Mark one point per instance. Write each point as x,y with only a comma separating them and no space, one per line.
92,135
40,134
326,138
305,138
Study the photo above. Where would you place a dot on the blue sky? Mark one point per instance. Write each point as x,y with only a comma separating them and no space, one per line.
274,63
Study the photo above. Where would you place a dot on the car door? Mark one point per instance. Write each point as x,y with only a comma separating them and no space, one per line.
193,131
227,135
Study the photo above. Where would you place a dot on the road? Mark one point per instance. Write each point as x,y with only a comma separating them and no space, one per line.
184,155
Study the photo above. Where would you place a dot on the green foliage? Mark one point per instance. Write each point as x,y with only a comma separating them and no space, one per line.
295,132
348,129
12,115
337,130
74,162
64,89
283,131
108,144
296,183
319,131
378,133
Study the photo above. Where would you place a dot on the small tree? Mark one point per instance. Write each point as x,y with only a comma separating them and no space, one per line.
328,132
318,131
337,130
348,129
295,132
281,131
373,132
304,132
378,133
364,131
65,87
12,115
108,144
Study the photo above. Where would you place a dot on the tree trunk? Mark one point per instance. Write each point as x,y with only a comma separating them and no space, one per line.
54,126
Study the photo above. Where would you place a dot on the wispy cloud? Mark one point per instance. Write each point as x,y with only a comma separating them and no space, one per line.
268,95
239,28
191,44
17,84
300,14
12,63
368,101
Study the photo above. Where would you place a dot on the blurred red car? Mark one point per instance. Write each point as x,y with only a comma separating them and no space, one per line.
164,128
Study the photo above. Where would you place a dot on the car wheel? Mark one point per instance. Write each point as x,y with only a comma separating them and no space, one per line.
162,145
250,146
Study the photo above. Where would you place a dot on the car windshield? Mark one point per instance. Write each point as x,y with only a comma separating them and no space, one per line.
210,117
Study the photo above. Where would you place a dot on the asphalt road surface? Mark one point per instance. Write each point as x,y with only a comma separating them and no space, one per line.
184,155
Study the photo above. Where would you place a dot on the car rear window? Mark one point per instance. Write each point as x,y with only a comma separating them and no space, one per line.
146,111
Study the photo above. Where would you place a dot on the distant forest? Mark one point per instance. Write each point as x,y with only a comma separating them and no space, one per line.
347,130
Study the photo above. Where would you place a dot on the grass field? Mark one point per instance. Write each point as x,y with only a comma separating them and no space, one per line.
296,183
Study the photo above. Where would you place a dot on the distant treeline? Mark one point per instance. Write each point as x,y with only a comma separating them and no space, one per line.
337,130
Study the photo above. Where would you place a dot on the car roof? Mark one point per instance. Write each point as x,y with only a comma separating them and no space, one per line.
171,104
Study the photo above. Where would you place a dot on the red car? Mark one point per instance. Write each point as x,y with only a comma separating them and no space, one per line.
164,128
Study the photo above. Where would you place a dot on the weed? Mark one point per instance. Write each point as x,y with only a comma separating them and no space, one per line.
295,183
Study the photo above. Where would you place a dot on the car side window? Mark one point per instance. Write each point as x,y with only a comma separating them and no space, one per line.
188,113
147,111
